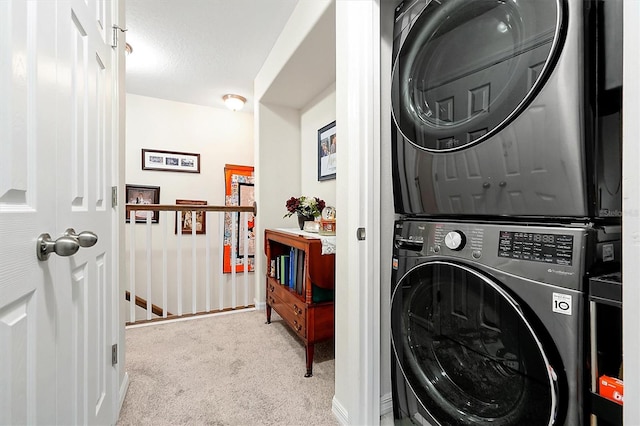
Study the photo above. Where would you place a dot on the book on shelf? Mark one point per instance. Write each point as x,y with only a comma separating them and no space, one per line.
284,269
292,267
300,272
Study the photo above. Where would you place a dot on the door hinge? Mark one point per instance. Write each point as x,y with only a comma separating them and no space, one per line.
114,196
114,354
115,28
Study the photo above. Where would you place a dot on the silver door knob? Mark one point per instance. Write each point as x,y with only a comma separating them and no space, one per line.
66,245
63,246
85,238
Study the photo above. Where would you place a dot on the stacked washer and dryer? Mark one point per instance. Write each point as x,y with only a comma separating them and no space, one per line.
506,150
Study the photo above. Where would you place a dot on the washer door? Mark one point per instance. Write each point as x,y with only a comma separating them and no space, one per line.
467,68
467,352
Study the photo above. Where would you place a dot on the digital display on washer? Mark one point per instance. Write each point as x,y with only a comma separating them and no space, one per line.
547,248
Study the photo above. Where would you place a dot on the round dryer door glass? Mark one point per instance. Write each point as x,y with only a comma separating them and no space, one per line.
465,69
467,352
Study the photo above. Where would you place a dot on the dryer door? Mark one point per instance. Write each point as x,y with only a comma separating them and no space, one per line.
466,351
467,68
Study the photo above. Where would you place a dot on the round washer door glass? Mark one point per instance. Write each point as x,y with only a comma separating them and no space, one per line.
466,351
467,68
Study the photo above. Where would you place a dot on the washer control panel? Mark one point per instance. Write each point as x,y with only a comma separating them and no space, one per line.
467,240
471,241
538,247
555,253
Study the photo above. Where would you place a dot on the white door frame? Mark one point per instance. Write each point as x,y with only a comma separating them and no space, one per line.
119,272
357,302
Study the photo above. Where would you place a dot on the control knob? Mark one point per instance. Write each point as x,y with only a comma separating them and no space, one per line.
455,240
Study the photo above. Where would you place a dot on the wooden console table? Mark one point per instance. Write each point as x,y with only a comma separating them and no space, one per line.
305,301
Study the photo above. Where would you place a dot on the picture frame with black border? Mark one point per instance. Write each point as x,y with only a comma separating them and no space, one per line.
327,155
140,194
170,161
201,217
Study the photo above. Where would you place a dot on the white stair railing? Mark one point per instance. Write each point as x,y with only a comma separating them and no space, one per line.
175,276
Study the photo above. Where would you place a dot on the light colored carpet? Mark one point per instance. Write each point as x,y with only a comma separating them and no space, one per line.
230,369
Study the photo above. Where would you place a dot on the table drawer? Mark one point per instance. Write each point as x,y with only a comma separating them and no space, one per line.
292,314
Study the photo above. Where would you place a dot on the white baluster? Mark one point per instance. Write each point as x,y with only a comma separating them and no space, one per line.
165,273
245,239
148,229
179,262
207,239
234,259
222,216
132,266
194,276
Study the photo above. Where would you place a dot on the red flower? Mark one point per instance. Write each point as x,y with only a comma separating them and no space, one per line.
304,206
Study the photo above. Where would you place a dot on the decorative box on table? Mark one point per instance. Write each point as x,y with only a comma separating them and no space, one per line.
328,221
327,227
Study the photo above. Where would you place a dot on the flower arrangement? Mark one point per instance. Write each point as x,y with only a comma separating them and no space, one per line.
304,206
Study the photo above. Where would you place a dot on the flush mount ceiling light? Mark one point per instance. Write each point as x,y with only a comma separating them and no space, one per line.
234,102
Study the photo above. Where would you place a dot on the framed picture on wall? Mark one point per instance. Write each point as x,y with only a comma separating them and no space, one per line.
327,139
187,219
239,191
170,161
138,194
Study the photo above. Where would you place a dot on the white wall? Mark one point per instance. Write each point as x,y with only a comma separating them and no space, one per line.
293,93
287,165
320,112
220,137
277,174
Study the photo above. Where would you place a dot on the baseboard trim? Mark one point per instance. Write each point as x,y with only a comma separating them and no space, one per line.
124,387
386,407
260,306
386,404
339,411
188,317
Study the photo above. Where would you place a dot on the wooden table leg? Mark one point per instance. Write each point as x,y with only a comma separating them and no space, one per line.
268,313
309,357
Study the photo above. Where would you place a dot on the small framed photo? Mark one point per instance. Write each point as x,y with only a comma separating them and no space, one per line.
170,161
327,152
137,194
187,219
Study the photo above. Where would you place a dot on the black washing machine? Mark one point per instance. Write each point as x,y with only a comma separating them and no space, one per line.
507,108
488,321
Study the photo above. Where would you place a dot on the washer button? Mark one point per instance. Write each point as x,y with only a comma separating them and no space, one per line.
436,249
476,254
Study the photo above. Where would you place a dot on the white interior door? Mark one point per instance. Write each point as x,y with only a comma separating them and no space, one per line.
55,149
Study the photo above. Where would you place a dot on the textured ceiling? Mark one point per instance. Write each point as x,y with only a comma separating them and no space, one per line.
196,51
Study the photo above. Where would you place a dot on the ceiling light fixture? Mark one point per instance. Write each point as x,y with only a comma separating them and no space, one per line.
234,102
128,49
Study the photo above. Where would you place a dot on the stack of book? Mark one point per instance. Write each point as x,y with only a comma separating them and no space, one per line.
290,270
